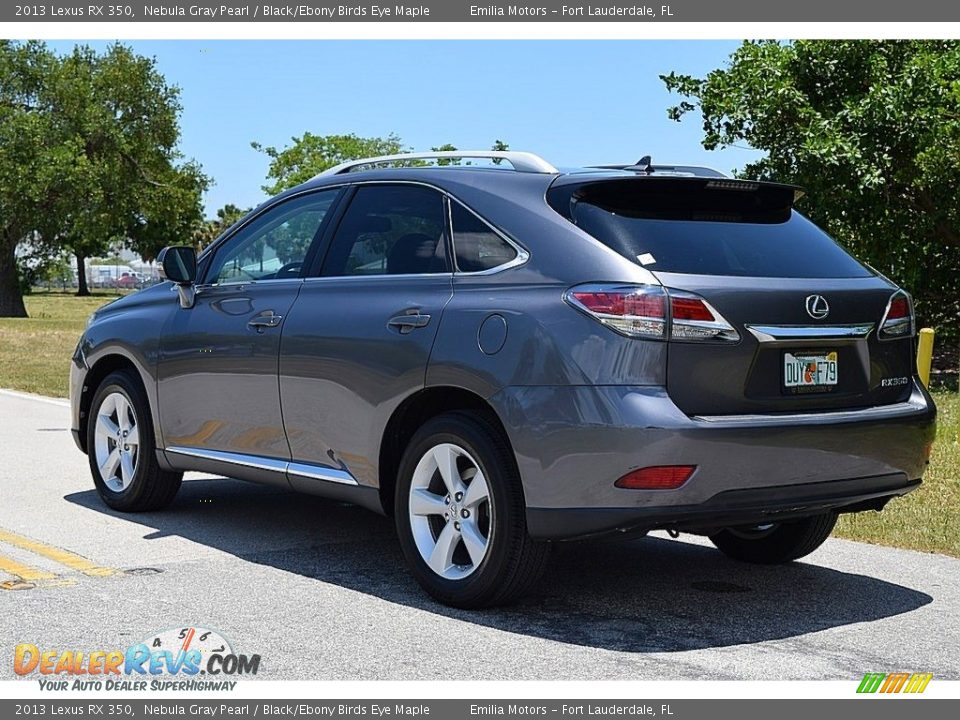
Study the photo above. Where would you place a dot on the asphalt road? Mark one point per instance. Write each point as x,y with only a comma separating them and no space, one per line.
320,591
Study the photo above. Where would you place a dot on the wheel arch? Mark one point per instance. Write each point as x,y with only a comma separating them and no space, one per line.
410,415
108,362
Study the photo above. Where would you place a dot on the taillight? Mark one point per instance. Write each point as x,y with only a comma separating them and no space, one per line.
651,311
898,320
660,477
631,310
693,318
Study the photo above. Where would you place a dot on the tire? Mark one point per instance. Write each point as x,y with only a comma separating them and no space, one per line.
779,543
463,575
133,481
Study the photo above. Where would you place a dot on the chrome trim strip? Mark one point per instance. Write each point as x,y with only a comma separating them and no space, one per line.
780,333
521,161
314,472
254,461
916,403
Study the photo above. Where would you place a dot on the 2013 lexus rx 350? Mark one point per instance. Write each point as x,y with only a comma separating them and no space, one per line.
503,355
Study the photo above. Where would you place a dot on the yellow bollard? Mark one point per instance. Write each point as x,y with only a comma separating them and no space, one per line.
925,355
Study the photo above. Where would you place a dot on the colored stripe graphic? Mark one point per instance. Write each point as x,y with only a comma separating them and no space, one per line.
871,682
894,682
918,682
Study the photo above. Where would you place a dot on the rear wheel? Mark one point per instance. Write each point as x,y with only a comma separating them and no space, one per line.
776,542
460,514
121,449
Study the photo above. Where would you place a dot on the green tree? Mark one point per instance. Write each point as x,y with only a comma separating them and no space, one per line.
30,159
211,229
88,158
311,154
871,129
128,183
446,147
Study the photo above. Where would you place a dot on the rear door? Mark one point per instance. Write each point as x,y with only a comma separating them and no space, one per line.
359,337
808,315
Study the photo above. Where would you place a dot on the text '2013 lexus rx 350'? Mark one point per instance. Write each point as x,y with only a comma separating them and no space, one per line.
502,356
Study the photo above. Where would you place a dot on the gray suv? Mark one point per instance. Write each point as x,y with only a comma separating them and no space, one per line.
502,355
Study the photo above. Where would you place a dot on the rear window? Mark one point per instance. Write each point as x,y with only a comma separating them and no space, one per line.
682,226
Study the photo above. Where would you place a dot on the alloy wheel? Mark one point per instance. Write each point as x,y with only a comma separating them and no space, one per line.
117,441
450,511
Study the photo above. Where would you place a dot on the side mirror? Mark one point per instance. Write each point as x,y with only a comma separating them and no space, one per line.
178,264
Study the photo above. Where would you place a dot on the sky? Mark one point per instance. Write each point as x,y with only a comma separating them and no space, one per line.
572,102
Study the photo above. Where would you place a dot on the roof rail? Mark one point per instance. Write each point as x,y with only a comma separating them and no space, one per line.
521,161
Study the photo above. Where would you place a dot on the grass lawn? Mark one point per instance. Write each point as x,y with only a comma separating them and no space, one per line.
928,518
35,352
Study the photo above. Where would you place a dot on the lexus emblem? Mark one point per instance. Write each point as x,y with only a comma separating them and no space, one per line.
817,307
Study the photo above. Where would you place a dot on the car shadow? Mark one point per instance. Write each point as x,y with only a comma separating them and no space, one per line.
649,595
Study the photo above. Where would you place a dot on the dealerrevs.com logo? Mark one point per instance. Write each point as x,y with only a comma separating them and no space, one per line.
190,658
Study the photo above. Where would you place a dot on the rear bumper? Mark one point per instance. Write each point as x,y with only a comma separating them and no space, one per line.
573,443
732,507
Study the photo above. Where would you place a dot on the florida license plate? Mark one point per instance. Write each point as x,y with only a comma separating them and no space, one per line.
810,371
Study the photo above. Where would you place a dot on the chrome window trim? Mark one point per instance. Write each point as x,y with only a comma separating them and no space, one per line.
522,254
381,277
240,283
785,333
313,472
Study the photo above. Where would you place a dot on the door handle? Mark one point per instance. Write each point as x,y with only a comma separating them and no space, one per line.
265,321
408,322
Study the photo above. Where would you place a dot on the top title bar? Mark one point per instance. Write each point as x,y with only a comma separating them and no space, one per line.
458,11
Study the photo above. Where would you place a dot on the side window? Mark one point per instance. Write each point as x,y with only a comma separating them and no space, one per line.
275,245
477,246
389,230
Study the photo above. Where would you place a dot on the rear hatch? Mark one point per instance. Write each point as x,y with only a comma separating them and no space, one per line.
807,315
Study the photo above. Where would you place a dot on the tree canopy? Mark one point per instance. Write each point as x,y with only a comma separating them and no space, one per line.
871,129
311,154
210,230
88,157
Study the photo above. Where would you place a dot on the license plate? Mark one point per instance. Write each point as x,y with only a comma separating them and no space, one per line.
810,369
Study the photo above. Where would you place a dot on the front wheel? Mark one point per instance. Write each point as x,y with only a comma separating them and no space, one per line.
776,542
121,448
461,517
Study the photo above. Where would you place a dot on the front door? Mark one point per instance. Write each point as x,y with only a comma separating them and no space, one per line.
218,363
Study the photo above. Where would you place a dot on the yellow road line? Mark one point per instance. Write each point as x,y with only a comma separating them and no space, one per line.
18,584
24,572
64,557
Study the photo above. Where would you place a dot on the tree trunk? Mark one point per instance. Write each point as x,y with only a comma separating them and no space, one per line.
11,301
82,289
